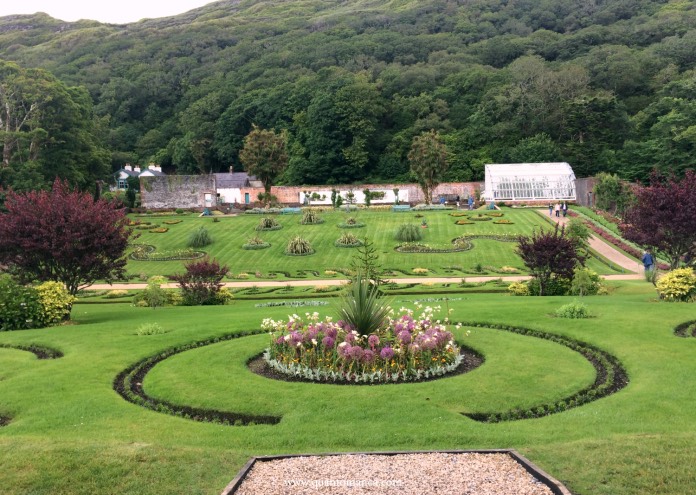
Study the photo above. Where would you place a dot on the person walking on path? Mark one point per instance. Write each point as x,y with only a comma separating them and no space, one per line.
558,210
471,202
564,209
648,261
550,209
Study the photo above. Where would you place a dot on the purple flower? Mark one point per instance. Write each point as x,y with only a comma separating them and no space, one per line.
350,338
404,336
386,353
368,356
328,342
331,332
373,341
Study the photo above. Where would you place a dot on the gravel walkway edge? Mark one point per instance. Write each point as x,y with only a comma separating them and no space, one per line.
474,472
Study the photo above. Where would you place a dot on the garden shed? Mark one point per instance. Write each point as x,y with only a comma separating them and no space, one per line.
529,182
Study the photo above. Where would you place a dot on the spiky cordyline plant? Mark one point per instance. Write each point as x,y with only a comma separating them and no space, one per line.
363,307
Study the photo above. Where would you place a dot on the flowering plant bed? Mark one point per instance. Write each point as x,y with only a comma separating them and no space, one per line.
416,247
172,222
146,252
496,214
464,222
503,221
159,230
405,348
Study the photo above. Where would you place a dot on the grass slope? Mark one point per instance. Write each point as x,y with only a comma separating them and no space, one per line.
72,434
230,233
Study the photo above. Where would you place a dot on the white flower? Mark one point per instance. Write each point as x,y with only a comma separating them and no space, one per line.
314,341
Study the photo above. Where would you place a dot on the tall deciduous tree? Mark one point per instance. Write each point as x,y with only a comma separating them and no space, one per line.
428,160
65,236
265,156
662,217
549,255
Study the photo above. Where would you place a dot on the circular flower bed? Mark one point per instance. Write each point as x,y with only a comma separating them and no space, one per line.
405,348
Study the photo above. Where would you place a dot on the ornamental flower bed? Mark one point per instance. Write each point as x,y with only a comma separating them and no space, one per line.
503,221
159,230
406,348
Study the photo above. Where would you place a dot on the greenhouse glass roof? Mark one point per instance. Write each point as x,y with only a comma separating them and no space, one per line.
529,181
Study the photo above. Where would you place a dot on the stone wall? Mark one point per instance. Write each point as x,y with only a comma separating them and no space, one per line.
584,191
177,191
408,193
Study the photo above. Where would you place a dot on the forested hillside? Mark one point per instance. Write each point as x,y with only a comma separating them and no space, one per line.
607,85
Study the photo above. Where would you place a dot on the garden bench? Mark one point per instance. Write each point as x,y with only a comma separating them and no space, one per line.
401,208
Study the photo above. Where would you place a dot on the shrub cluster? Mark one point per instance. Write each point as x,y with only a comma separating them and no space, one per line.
199,238
268,223
311,217
408,232
299,246
573,310
24,307
201,283
678,285
255,243
348,240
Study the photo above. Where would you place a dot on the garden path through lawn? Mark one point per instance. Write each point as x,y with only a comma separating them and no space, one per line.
606,250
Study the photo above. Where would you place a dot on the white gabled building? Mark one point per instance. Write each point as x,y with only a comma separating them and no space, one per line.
121,176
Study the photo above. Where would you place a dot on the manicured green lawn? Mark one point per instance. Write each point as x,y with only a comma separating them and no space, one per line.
230,233
71,433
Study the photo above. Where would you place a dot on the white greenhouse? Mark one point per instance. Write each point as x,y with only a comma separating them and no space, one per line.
529,182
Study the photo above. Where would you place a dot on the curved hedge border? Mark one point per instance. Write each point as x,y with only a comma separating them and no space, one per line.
425,249
492,237
610,377
41,352
686,329
148,249
128,384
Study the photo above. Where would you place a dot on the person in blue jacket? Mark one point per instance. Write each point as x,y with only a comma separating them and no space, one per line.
648,260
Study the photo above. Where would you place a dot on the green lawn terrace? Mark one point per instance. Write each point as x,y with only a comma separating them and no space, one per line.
69,431
229,233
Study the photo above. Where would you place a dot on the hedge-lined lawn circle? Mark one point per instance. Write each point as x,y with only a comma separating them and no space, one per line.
553,372
40,351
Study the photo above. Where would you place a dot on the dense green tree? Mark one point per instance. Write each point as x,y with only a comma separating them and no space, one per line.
428,159
265,156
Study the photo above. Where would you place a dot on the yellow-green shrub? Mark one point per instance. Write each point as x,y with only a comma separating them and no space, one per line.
678,285
56,302
518,289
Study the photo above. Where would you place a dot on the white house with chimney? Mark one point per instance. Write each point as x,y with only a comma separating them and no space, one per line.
121,176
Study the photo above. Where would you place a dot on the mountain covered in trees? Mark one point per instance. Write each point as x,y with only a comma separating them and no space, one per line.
607,85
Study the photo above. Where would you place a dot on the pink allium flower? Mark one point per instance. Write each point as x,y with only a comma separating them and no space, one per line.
404,336
386,353
373,341
328,342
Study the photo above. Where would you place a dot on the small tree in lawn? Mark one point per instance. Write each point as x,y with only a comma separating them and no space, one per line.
265,156
64,236
663,217
549,255
201,284
428,160
366,263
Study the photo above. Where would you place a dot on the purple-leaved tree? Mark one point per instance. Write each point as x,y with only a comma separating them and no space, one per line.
663,217
65,236
549,255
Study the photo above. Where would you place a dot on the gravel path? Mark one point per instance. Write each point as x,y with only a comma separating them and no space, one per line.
609,252
402,474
